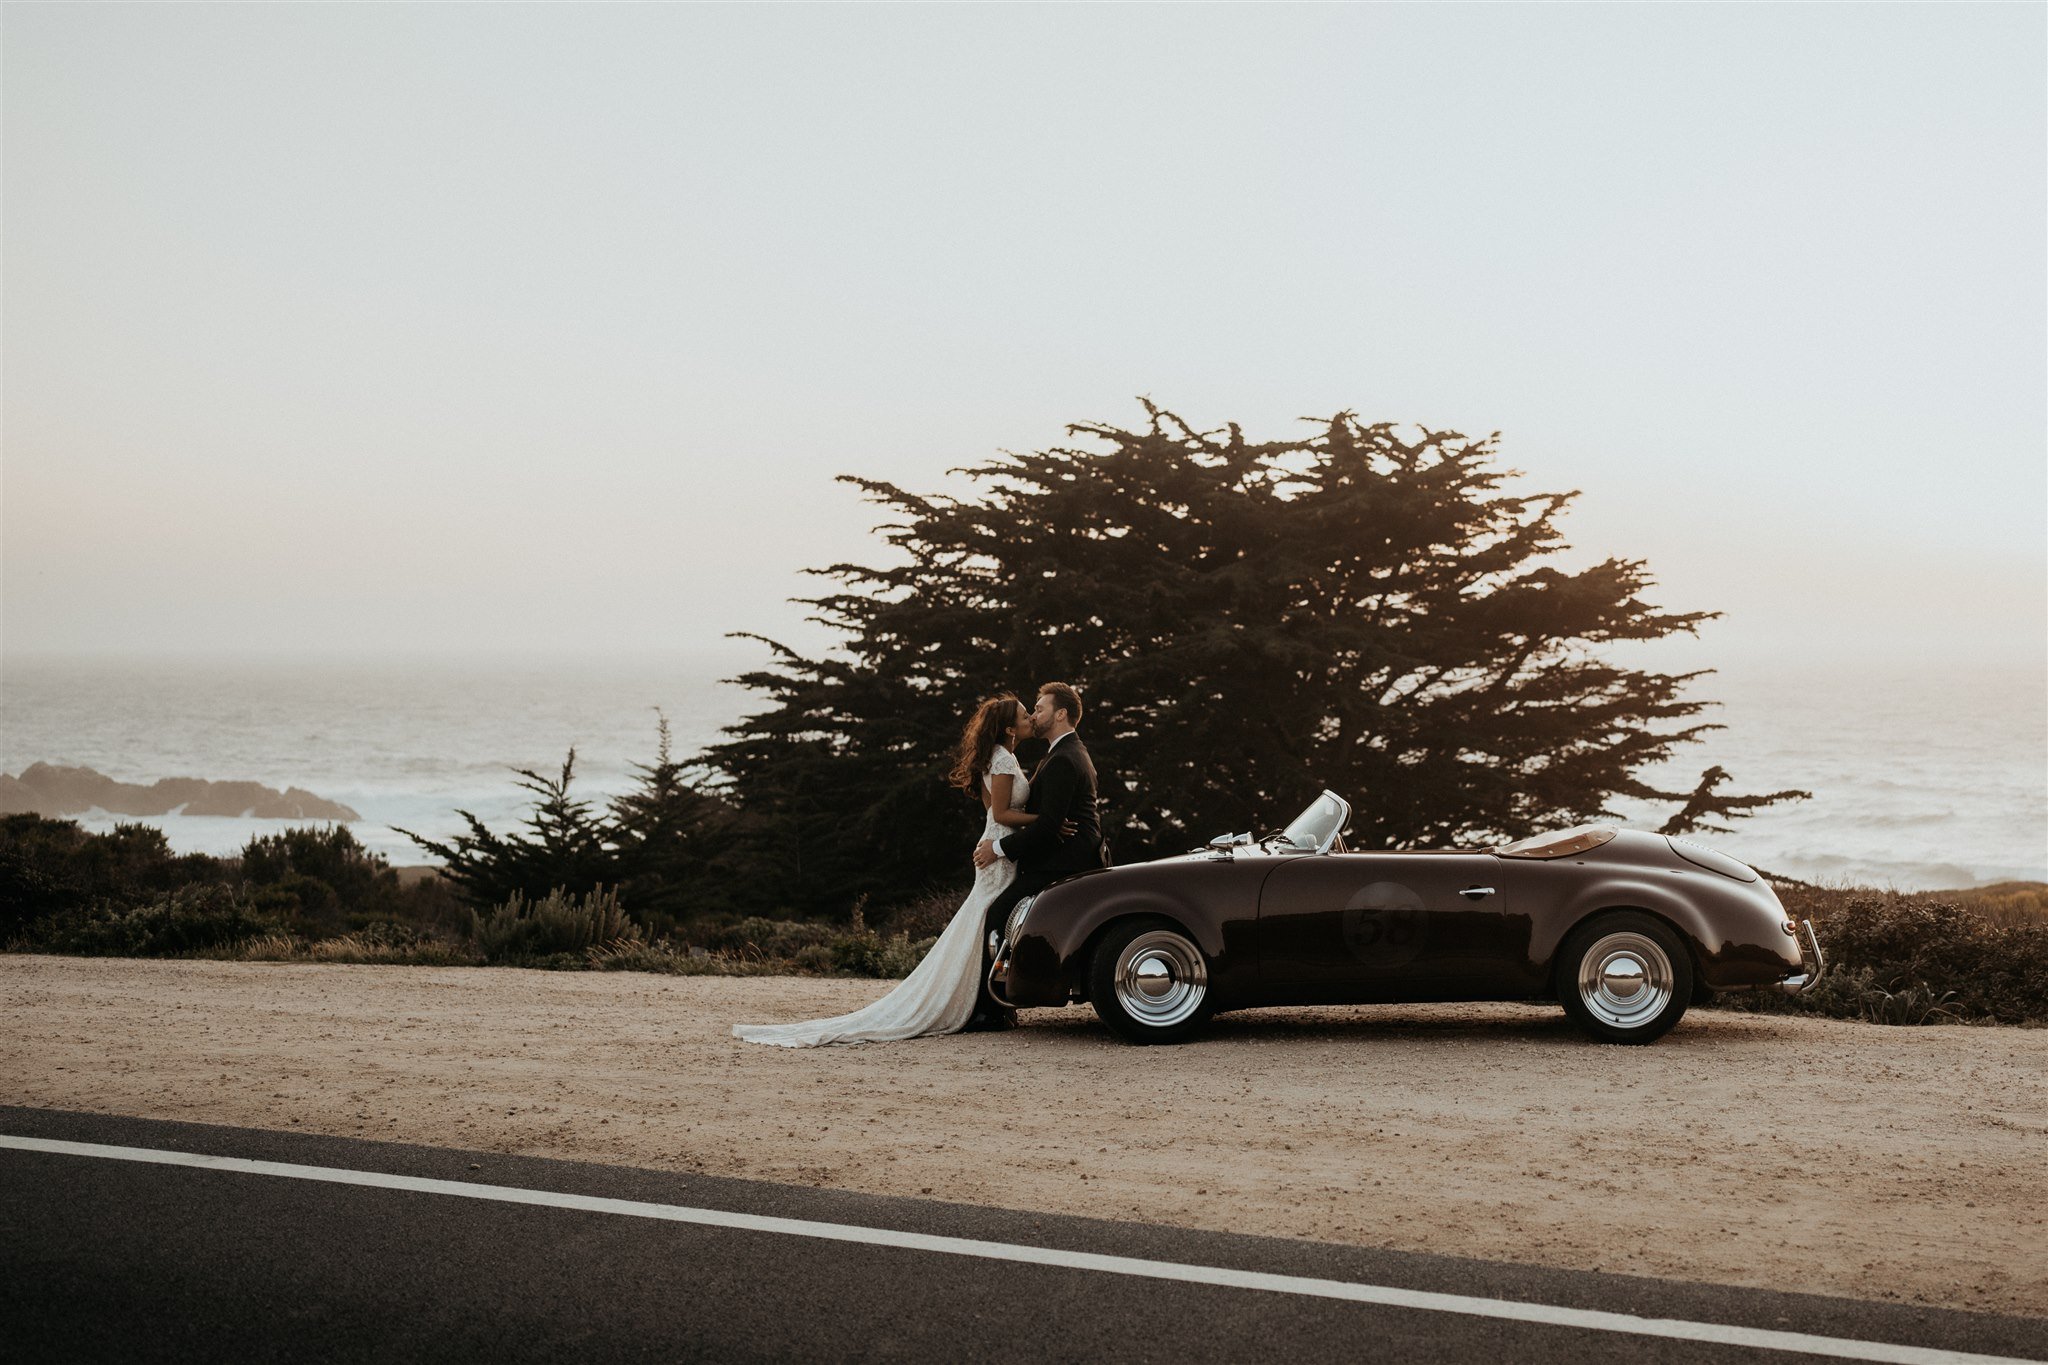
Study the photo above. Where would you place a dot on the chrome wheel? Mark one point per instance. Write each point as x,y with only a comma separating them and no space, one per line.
1160,979
1625,979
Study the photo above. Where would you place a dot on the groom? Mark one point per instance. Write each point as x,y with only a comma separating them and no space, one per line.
1062,797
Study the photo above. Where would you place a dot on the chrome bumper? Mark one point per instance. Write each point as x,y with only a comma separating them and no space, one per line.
1810,961
999,968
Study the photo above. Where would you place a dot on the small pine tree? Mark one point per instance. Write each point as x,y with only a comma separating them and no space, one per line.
670,838
566,847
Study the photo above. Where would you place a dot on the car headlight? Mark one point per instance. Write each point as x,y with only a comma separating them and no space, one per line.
1016,920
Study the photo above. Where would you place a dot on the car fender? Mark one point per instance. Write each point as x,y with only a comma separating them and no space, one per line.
1069,918
1623,890
1083,930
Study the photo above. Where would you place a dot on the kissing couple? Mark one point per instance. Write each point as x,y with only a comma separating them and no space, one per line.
1035,830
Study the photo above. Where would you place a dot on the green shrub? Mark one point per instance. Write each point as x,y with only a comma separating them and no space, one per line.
927,916
192,919
313,881
304,905
1920,958
56,867
816,959
522,930
314,874
1857,993
770,938
867,953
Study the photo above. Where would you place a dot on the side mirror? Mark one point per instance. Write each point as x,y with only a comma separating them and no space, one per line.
1231,840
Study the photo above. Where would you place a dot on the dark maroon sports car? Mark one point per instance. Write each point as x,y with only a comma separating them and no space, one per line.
1623,928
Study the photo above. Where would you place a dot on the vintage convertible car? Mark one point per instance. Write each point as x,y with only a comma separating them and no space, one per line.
1624,928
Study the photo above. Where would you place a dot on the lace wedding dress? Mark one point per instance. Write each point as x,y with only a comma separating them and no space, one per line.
939,996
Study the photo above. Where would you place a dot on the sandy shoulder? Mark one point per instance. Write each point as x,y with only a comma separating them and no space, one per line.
1796,1153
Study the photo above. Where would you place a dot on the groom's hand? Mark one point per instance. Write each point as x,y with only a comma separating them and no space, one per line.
984,853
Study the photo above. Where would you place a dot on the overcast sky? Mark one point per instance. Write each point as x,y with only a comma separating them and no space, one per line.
377,328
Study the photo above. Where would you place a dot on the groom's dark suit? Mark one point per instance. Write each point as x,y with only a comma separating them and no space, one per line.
1062,790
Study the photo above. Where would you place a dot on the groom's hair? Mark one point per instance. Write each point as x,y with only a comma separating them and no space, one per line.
1064,698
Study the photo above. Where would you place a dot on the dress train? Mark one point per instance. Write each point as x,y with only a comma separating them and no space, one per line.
938,997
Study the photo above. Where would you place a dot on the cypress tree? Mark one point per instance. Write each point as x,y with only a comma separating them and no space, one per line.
1248,622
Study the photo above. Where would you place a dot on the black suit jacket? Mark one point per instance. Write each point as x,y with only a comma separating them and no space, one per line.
1062,789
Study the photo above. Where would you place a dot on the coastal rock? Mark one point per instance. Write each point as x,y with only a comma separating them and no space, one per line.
50,790
15,797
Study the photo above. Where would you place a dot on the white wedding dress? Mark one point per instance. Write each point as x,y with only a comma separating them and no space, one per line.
938,997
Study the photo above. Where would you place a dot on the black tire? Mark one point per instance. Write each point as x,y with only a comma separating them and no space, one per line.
1624,977
1122,979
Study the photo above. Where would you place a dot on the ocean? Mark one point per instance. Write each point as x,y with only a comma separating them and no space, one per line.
1922,778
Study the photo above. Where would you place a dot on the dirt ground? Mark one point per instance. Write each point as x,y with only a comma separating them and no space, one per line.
1885,1163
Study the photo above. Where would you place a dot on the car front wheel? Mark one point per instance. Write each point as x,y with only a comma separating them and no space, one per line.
1149,982
1625,977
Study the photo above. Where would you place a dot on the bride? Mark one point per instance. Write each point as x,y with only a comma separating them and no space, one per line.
939,996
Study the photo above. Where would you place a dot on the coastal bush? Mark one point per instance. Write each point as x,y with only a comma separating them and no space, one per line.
926,916
304,905
192,919
312,881
758,937
1857,993
50,866
560,922
1920,958
864,952
330,855
320,881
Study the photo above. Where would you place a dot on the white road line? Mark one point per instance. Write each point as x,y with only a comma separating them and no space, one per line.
1841,1348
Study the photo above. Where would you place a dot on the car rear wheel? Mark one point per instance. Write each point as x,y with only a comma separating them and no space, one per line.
1625,977
1149,982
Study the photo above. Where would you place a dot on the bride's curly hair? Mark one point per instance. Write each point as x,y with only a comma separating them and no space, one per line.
978,741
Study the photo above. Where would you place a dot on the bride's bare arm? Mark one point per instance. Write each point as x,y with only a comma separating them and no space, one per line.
1000,787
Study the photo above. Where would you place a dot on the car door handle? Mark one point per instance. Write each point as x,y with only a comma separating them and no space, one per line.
1476,893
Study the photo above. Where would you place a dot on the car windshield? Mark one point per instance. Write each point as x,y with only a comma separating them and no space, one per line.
1316,828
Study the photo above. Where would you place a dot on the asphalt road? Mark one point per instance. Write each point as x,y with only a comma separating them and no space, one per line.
116,1259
